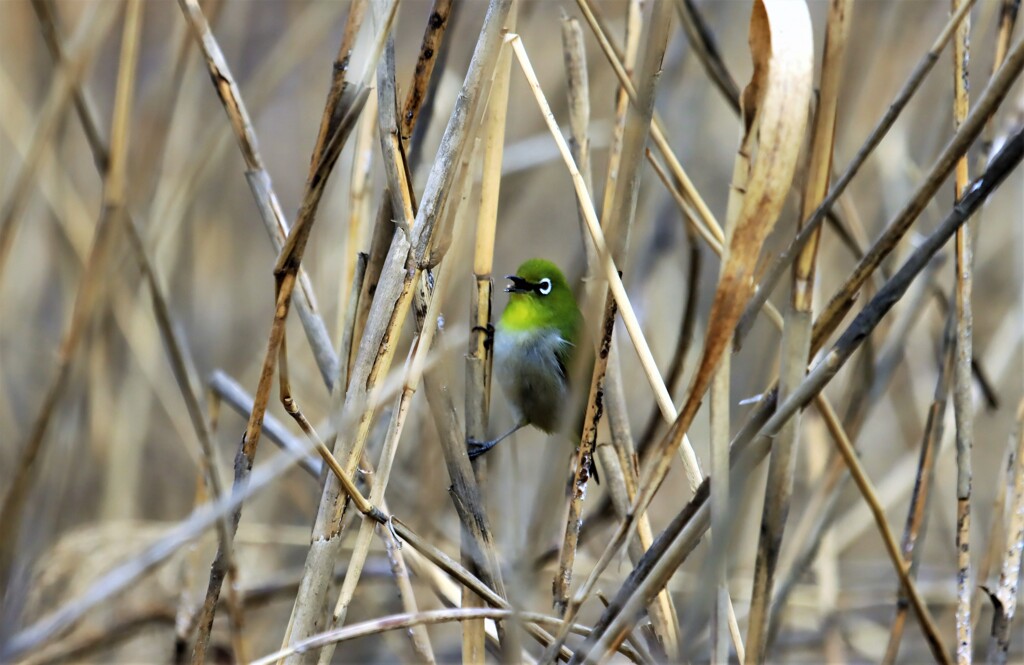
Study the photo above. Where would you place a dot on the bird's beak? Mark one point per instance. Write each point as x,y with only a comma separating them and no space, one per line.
518,285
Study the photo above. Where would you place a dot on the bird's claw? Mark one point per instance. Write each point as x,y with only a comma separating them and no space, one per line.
394,533
476,448
488,332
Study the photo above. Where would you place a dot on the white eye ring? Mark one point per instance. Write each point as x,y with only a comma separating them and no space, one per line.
545,287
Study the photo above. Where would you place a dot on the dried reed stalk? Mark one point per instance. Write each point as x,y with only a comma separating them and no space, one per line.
1004,598
796,336
479,355
963,407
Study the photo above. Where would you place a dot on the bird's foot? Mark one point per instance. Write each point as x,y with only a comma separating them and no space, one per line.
477,448
488,332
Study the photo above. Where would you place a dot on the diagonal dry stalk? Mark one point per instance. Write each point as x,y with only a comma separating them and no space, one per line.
684,532
366,506
967,132
860,477
182,365
432,556
706,49
614,56
917,512
259,181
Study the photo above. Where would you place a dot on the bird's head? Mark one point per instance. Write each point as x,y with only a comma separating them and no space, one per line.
540,298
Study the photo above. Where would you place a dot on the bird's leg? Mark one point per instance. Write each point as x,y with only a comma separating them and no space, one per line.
478,448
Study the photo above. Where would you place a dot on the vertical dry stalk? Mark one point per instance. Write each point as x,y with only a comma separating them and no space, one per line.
616,460
1007,19
963,408
479,356
358,222
1004,598
393,159
577,86
796,337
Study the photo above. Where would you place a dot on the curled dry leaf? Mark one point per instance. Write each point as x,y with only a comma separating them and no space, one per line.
775,110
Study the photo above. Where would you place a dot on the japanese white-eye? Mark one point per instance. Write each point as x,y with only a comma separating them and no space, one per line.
534,343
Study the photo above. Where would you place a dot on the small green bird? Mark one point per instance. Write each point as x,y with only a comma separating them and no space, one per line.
534,343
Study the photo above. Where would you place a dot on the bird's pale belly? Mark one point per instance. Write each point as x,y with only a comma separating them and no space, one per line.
527,368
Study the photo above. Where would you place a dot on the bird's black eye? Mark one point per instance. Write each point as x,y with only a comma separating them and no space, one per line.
544,286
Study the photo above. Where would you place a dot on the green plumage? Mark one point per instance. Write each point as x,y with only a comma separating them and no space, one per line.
534,345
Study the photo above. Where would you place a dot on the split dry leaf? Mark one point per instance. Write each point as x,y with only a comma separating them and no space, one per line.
775,110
